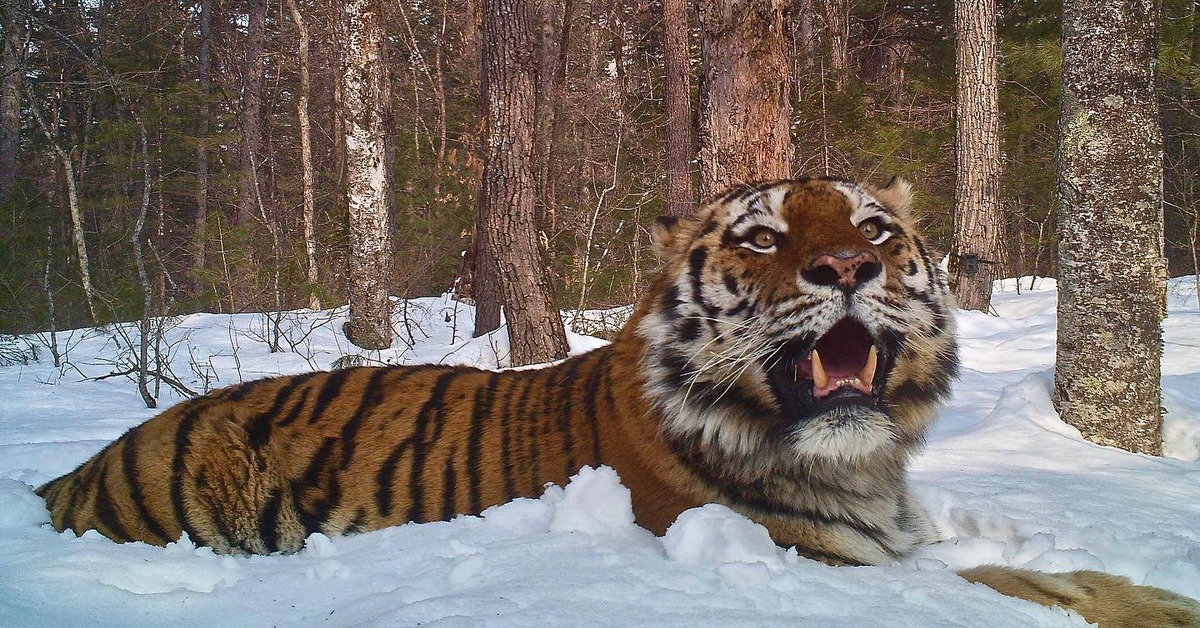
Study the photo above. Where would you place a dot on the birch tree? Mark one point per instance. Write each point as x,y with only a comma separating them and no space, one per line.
744,105
306,162
1112,291
368,173
978,220
509,62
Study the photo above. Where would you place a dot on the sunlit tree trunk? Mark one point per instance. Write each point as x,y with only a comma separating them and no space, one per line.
306,163
77,227
744,105
1112,274
681,189
978,219
837,34
535,329
364,112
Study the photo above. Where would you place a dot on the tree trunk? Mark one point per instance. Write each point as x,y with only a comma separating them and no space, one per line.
364,79
85,269
200,235
1112,274
552,44
253,71
535,328
744,105
681,189
306,163
837,28
13,18
978,219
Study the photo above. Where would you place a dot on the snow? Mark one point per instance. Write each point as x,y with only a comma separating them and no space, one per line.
1006,481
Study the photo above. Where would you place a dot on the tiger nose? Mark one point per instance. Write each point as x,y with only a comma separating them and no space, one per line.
845,270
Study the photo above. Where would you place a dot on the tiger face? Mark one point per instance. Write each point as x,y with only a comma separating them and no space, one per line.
800,321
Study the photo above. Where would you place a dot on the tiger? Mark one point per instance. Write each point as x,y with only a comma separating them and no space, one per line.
786,362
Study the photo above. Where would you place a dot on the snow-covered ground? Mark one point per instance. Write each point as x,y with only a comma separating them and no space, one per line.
1006,480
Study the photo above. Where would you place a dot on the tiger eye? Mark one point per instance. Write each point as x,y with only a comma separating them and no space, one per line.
764,238
869,228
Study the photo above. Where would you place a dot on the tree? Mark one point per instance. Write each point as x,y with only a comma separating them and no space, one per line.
252,132
12,20
368,177
509,62
677,83
978,220
744,104
306,163
1112,295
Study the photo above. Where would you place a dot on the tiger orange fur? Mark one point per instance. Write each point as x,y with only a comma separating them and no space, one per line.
712,392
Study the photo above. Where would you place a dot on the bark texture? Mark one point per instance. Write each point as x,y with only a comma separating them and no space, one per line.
252,134
11,13
978,219
837,27
535,329
681,189
1112,274
368,173
204,72
744,105
306,162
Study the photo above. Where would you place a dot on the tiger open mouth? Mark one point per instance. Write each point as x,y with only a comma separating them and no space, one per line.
842,366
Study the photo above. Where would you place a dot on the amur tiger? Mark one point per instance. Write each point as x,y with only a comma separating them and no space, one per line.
786,362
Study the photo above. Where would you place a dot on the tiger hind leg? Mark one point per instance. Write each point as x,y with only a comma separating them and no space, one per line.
1103,599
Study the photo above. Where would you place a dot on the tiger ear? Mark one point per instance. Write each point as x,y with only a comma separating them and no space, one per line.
663,235
896,195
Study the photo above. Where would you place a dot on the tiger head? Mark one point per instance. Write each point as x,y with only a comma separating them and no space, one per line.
797,321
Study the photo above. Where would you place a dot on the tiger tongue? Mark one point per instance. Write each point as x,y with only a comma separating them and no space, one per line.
827,381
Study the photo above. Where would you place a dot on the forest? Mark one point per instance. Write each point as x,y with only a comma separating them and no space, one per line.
176,124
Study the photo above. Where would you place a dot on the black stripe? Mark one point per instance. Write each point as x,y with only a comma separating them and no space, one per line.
689,329
129,467
432,413
1033,584
387,472
507,428
565,397
740,307
329,391
484,397
238,392
696,261
104,509
670,299
590,391
372,395
448,488
85,477
318,472
268,521
359,523
259,430
297,407
182,441
531,420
